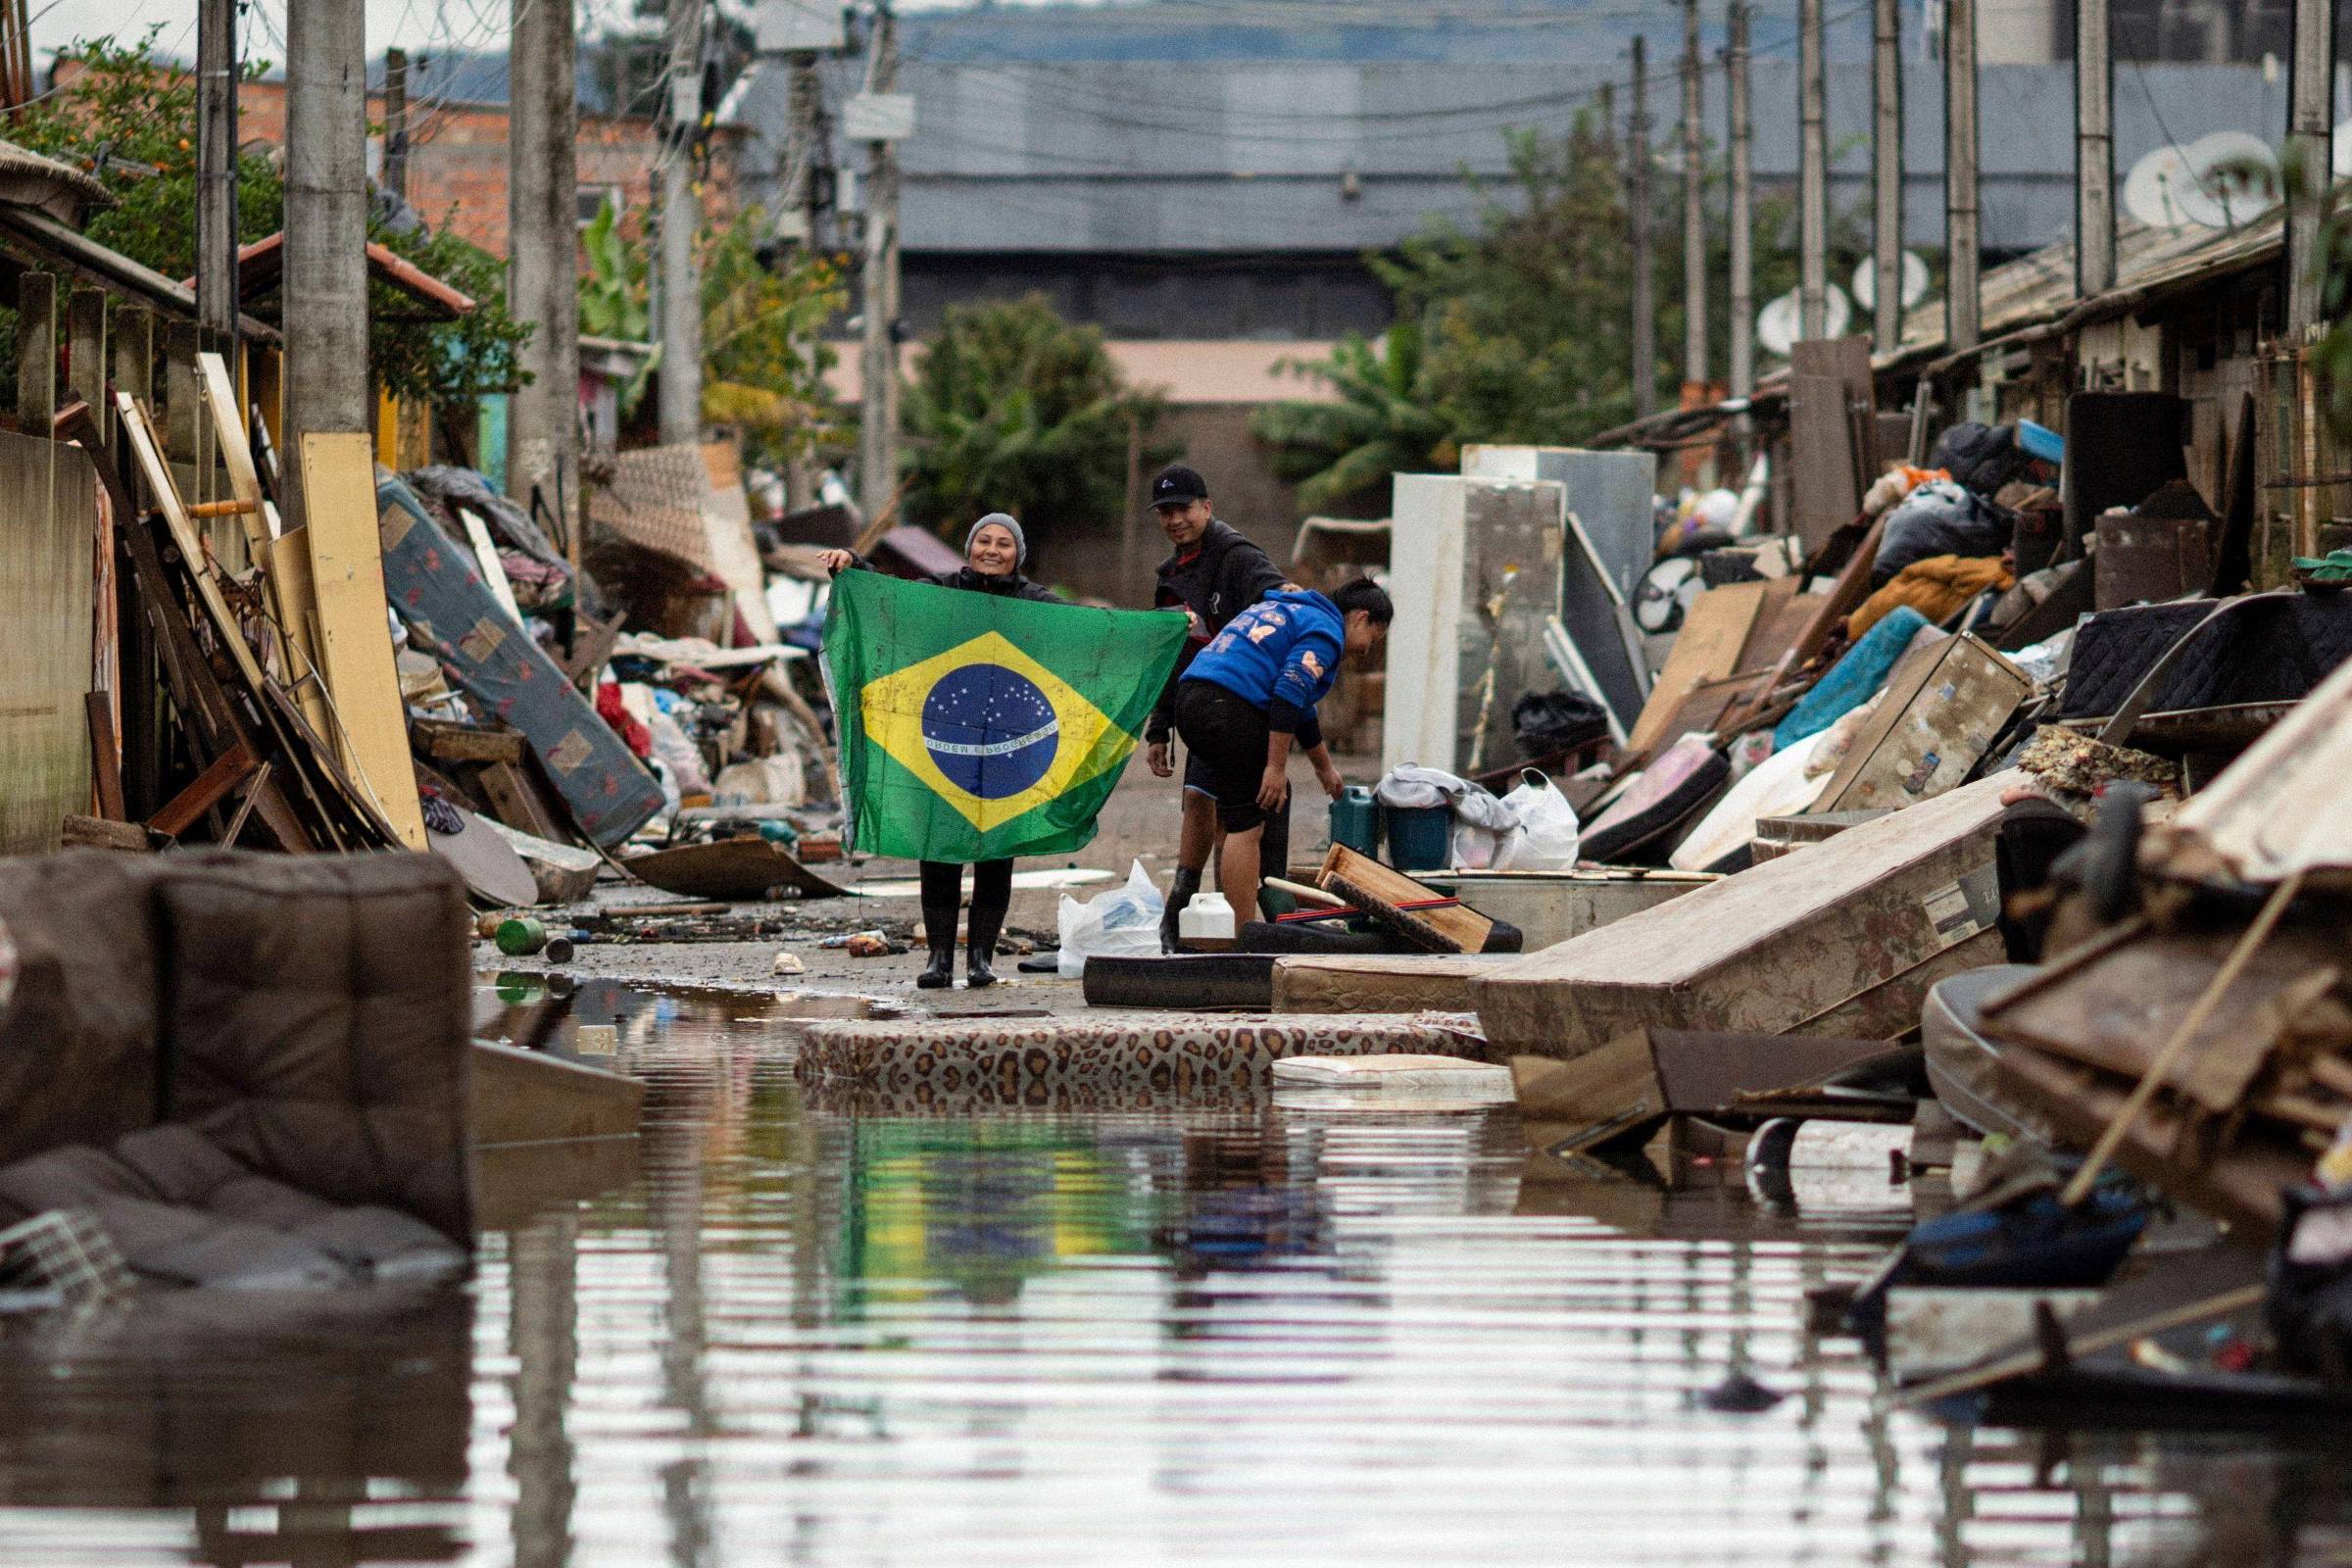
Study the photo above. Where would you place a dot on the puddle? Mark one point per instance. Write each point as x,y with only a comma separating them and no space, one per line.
778,1328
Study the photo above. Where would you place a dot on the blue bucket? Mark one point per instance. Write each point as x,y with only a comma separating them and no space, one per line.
1420,838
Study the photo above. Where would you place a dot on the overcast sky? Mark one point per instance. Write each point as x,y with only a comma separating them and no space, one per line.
416,26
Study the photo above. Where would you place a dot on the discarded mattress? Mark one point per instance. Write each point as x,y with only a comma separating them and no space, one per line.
1842,939
1681,780
1173,1052
1333,983
437,589
2271,651
1861,671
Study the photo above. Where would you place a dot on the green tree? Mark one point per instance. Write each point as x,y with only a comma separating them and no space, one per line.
763,352
1014,409
131,120
1342,454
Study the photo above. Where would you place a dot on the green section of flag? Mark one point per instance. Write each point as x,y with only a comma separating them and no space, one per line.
973,727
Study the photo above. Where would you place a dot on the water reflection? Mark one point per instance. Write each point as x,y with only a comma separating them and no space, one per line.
781,1330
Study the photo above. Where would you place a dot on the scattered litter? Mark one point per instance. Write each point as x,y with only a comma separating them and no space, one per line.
788,962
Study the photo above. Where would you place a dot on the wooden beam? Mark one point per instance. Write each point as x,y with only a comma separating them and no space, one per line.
106,763
36,351
447,742
230,770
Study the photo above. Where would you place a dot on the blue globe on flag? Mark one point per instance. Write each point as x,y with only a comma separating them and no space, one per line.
989,730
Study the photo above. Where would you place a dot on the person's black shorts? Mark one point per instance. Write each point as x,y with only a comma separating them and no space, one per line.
1196,774
1227,736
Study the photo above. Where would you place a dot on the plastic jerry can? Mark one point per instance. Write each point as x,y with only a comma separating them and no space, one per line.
1208,916
1355,820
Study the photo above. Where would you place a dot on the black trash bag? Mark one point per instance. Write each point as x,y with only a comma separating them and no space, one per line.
1941,517
1545,722
1982,457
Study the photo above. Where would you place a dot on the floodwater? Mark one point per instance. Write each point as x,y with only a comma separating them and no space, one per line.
780,1330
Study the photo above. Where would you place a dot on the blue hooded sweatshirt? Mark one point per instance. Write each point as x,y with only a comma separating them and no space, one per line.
1281,653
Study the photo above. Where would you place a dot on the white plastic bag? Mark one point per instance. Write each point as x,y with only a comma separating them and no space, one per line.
1547,840
1123,922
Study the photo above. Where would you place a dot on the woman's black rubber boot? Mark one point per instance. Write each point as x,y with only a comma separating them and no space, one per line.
1180,893
942,972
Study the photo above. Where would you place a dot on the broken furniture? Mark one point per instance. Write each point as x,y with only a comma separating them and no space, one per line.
210,1044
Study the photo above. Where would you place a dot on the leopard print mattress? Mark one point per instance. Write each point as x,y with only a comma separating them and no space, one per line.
1032,1062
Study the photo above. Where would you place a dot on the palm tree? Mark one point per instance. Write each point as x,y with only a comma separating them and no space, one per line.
1343,452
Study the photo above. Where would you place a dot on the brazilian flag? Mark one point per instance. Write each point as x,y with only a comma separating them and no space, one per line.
975,726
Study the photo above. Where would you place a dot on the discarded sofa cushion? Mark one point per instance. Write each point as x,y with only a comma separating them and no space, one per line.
78,1036
1843,938
2269,651
1010,1058
320,1009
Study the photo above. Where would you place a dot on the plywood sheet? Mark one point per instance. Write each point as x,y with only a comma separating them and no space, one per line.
354,633
1711,646
49,516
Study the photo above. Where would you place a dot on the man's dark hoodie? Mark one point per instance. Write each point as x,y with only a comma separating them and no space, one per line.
1219,578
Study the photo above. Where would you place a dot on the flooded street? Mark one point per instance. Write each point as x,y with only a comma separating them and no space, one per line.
786,1329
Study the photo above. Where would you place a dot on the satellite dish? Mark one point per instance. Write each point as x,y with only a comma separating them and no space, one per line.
1915,281
1780,323
2216,181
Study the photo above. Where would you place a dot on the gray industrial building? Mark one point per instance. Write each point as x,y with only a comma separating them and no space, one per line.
1236,199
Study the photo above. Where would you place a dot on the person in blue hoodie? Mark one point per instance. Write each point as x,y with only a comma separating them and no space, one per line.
1250,696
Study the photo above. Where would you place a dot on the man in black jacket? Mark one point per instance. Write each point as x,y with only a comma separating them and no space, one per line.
1213,576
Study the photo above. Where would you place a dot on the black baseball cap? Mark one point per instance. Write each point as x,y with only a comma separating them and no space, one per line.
1177,487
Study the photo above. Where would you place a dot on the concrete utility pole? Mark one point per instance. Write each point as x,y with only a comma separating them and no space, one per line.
1887,176
681,373
543,424
217,170
1812,175
1695,218
1964,260
396,122
1637,187
325,290
1742,218
878,427
2310,164
808,150
2094,150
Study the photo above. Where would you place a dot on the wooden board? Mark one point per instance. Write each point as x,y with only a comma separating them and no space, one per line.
1379,892
1714,638
200,564
297,608
447,742
517,800
355,637
736,869
493,871
229,434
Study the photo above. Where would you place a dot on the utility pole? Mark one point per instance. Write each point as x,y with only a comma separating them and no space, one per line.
2309,164
1743,219
1886,174
217,171
1694,218
1964,308
396,122
807,107
681,329
1812,175
543,431
878,427
1644,304
2094,150
325,290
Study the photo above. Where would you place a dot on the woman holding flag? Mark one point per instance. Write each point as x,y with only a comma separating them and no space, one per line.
994,553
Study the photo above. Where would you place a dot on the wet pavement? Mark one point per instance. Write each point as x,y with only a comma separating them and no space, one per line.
778,1328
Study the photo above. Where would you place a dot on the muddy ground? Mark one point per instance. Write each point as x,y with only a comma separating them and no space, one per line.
1138,823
